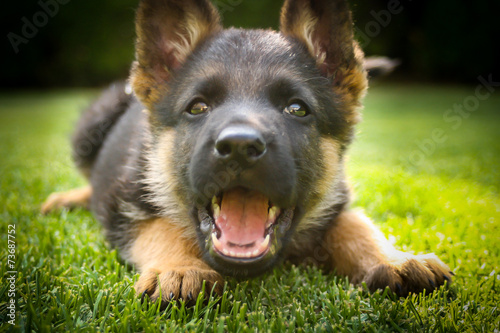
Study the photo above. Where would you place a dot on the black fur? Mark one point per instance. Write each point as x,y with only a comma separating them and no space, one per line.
108,147
95,124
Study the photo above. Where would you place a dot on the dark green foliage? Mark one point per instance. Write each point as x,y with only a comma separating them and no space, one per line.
91,42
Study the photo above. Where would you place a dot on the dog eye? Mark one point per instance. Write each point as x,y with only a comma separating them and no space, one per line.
198,108
297,110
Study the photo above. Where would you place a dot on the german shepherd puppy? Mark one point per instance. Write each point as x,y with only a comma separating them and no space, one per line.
228,157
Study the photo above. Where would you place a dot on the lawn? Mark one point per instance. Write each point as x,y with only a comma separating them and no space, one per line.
432,184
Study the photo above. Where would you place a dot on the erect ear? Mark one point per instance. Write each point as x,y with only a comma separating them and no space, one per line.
167,32
325,27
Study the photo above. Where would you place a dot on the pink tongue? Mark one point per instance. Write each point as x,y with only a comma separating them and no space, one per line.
243,216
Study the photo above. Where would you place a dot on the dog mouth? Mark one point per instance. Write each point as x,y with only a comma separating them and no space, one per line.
243,225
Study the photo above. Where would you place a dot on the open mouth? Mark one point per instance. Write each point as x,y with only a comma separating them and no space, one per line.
241,224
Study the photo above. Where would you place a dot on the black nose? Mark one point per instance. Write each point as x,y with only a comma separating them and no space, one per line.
241,143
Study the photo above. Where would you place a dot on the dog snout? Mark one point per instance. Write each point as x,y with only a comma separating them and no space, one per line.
241,143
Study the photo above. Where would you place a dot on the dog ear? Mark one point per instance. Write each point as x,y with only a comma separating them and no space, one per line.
326,28
167,32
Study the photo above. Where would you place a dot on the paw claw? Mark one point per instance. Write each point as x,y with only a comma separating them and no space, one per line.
175,284
409,274
400,289
143,296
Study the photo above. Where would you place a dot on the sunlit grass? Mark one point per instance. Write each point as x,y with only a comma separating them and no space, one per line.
448,203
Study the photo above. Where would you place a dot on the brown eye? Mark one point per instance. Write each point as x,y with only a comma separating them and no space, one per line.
198,108
296,109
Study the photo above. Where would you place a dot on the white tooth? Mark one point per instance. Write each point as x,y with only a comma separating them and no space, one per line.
248,254
216,209
232,254
215,241
255,253
271,218
273,212
263,246
225,251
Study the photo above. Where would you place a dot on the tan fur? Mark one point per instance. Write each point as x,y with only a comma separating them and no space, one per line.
303,29
356,245
145,85
361,252
330,151
160,180
327,188
169,261
79,197
195,31
351,86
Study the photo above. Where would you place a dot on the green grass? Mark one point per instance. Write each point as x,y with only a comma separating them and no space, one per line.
448,203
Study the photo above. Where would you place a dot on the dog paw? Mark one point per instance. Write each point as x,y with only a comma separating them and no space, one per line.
75,198
410,274
185,284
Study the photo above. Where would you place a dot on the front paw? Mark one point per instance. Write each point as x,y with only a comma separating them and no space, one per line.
179,283
409,274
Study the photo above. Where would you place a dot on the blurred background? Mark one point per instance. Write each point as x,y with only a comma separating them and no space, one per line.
61,43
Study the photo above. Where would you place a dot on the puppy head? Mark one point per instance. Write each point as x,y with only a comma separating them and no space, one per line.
249,125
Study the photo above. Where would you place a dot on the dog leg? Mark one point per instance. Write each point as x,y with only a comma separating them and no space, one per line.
170,263
78,197
360,251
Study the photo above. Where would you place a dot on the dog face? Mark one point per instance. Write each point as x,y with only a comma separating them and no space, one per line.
249,125
251,133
